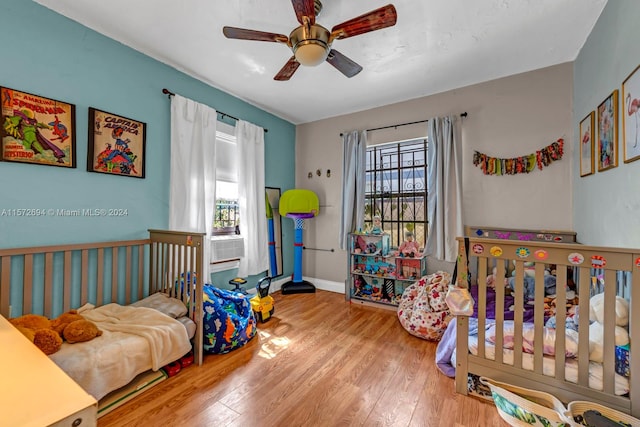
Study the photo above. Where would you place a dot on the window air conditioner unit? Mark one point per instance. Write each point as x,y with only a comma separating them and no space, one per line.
226,247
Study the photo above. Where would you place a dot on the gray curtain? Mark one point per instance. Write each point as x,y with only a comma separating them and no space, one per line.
353,184
444,186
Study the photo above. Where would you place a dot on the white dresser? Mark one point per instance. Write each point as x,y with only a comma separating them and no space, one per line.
35,392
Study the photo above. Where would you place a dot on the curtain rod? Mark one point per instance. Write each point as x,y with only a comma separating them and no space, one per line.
405,124
223,114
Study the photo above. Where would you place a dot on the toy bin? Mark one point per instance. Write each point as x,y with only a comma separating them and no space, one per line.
521,406
583,413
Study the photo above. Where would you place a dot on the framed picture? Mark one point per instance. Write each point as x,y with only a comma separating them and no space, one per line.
36,129
630,119
608,132
116,144
587,164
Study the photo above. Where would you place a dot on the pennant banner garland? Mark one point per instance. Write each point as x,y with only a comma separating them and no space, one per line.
523,164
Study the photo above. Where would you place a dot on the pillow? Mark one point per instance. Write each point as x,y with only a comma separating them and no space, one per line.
172,307
596,339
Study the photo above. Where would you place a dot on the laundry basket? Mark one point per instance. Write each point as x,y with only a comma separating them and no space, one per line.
521,406
576,416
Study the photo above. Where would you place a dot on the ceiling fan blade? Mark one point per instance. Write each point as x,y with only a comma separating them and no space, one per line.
304,8
343,64
244,34
287,71
383,17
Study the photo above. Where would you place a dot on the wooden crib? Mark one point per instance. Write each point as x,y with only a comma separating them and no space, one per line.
617,274
50,280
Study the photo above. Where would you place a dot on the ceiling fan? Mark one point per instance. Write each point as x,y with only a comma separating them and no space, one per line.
311,42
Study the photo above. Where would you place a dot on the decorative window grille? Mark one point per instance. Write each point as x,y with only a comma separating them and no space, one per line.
396,189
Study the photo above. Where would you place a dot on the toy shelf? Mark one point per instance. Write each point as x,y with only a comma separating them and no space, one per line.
377,275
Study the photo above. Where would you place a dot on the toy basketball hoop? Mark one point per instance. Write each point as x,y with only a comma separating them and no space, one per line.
299,205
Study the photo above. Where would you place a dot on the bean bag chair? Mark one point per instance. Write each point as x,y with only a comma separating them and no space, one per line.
229,322
422,310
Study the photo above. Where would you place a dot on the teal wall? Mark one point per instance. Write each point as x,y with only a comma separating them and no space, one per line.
49,55
606,204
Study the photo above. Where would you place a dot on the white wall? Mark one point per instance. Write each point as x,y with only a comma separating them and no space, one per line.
508,117
607,204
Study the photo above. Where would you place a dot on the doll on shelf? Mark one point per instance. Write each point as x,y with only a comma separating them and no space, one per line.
376,227
409,248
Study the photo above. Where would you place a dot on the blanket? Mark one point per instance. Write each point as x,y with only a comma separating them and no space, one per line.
134,340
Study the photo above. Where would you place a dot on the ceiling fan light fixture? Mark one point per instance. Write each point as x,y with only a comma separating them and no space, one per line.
311,53
310,44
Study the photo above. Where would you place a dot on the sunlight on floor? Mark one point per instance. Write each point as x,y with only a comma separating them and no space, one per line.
272,345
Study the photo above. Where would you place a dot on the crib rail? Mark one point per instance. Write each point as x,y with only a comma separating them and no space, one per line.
594,269
177,267
49,280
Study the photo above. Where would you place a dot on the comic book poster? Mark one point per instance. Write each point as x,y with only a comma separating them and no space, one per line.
35,129
116,144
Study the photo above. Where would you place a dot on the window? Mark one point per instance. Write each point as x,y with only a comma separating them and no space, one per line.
226,219
396,189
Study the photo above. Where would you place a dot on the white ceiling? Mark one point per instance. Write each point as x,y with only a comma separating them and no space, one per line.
436,45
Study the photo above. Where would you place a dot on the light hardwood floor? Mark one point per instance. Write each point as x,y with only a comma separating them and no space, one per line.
319,361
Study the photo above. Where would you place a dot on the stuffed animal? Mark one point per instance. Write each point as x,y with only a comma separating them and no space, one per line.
48,335
73,328
80,331
38,330
59,323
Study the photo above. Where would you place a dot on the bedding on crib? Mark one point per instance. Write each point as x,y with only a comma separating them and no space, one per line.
134,340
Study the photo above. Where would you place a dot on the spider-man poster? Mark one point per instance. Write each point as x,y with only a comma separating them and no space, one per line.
37,130
116,144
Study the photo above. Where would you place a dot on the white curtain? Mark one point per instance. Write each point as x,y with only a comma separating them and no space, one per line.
353,184
192,192
251,199
444,186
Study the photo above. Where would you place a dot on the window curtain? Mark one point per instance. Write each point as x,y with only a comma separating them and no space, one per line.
192,187
444,186
353,184
251,199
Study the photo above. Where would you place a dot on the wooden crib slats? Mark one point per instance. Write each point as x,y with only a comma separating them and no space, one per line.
27,305
114,274
499,344
561,320
518,314
84,283
66,298
482,306
5,286
48,284
100,277
584,286
127,276
538,322
634,336
609,331
141,284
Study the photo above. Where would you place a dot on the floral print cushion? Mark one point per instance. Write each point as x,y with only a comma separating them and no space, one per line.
422,310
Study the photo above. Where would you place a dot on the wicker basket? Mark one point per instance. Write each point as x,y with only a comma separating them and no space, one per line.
521,406
576,409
